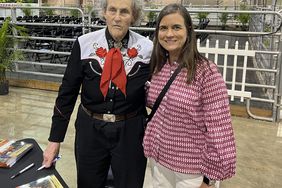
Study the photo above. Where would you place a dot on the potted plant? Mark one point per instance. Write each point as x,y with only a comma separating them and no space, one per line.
202,16
88,9
47,11
74,13
203,20
27,11
151,16
223,17
8,56
243,18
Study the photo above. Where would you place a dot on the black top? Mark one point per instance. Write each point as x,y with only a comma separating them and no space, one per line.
84,71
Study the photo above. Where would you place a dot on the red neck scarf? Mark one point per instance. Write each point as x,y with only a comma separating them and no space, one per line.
113,71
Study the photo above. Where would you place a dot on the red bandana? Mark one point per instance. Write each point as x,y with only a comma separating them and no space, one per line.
113,71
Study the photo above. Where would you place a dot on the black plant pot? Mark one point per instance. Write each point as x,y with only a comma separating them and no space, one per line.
4,87
244,28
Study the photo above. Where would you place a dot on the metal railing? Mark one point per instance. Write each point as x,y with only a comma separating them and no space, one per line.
47,56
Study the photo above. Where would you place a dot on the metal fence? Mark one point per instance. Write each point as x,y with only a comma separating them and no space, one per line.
51,37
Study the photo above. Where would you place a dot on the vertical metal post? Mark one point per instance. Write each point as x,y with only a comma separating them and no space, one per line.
279,94
274,4
15,33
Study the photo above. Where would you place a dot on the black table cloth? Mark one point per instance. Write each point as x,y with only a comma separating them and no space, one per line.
33,156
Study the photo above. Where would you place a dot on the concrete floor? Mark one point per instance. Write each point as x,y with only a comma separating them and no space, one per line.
26,113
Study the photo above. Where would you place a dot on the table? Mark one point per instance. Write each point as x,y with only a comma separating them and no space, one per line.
33,156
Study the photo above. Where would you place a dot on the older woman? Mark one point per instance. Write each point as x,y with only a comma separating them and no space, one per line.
110,66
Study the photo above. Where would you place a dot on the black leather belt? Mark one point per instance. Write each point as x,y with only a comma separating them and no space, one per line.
109,117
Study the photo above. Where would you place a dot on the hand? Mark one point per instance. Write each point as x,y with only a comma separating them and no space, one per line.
203,185
50,153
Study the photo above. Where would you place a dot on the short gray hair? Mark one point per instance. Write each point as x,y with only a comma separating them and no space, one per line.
135,7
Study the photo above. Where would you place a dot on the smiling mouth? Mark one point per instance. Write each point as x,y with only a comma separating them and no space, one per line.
170,41
117,26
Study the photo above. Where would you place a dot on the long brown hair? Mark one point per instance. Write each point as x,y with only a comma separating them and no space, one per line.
189,56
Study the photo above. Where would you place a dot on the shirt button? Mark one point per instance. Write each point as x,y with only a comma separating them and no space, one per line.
117,88
113,87
111,100
109,112
171,72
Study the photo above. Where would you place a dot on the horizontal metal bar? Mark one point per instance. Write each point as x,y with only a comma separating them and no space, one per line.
40,73
48,24
237,93
44,51
46,38
41,63
242,33
196,10
251,69
263,100
251,85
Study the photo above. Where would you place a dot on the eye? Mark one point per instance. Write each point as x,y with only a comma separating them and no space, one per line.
176,27
112,10
162,28
124,11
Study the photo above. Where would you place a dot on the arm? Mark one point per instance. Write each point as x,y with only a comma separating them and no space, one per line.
64,105
67,96
219,155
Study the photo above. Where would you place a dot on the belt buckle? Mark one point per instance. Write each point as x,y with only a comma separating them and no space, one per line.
109,117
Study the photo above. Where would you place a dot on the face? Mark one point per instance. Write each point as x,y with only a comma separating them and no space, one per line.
118,17
172,34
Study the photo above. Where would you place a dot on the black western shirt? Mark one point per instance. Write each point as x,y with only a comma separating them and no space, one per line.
84,72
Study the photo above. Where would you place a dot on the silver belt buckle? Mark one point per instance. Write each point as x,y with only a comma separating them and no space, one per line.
109,117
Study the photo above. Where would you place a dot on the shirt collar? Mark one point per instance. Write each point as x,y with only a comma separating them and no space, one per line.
111,41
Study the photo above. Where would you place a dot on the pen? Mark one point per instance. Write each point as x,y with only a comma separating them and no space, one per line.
23,170
54,160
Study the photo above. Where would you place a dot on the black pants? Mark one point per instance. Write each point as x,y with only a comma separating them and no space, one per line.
100,144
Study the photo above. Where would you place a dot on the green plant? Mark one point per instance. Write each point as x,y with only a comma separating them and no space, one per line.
27,11
202,16
89,9
243,18
267,28
223,17
48,11
8,56
266,43
75,13
151,16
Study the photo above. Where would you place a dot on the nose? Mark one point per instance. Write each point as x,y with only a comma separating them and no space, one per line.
117,16
169,33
